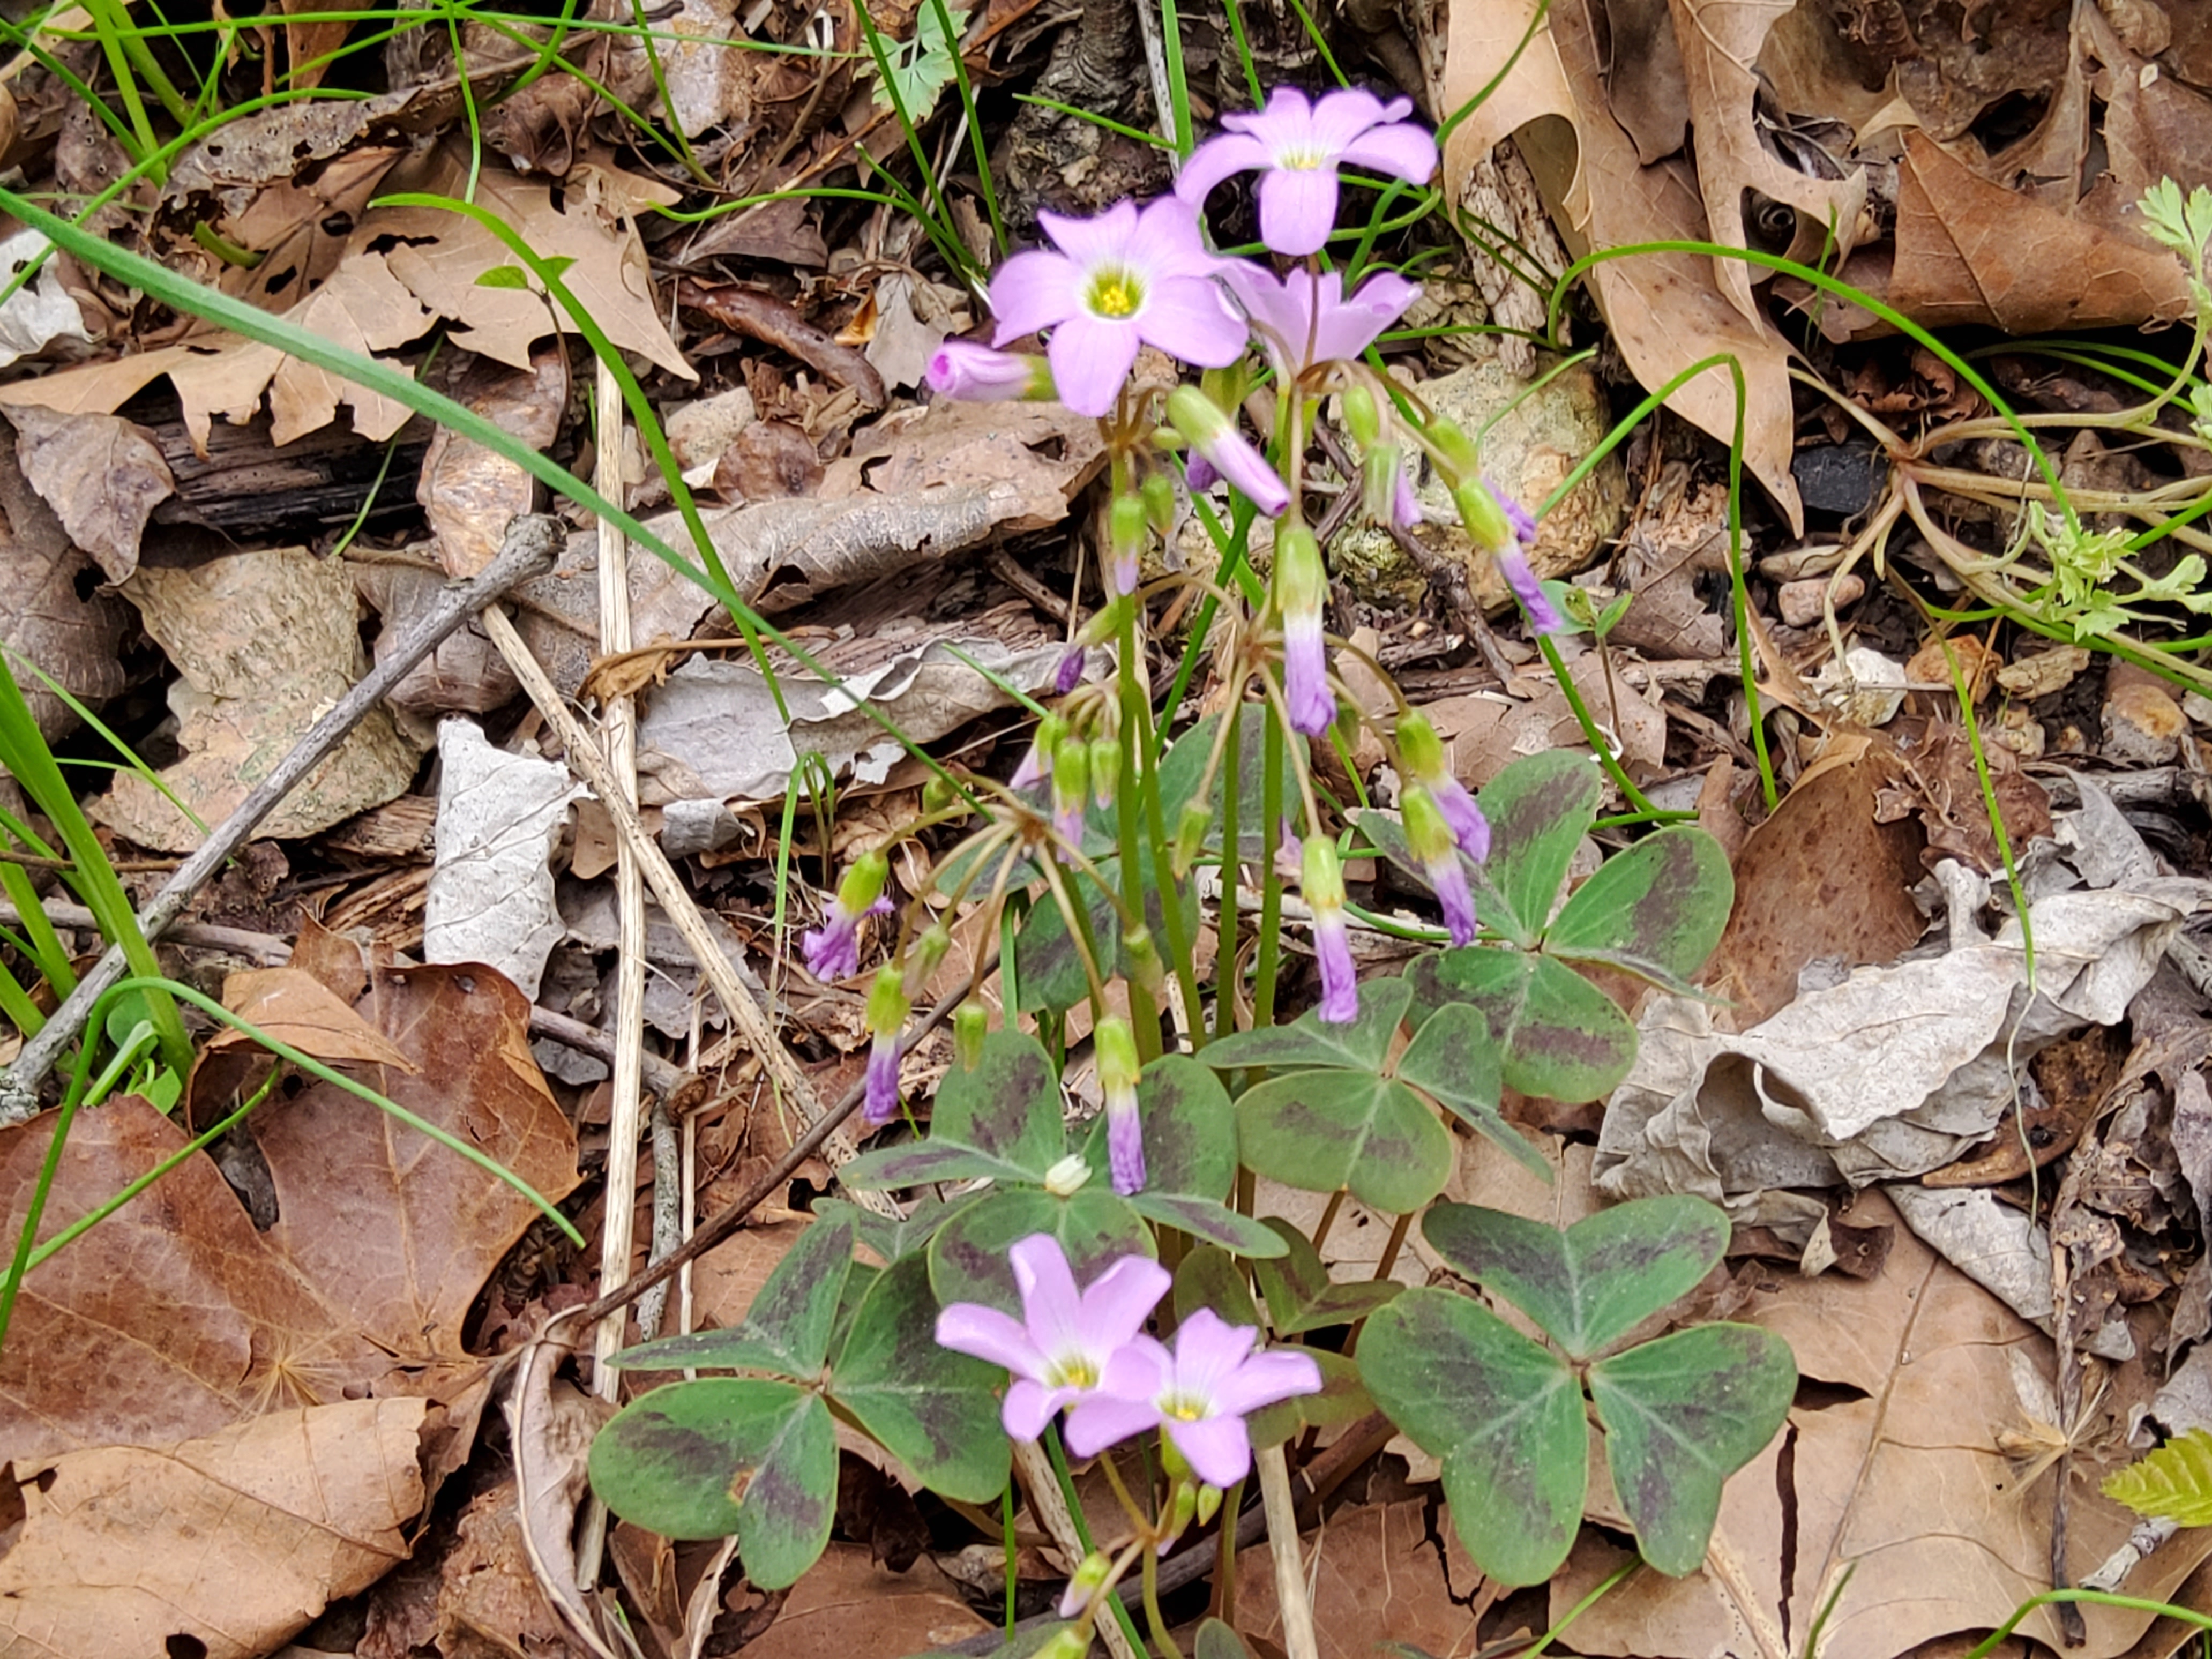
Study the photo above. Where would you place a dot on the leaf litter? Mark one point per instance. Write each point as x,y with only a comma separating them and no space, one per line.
884,538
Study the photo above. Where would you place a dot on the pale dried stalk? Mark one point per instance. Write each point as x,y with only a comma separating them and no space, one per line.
1298,1638
1035,1469
746,1016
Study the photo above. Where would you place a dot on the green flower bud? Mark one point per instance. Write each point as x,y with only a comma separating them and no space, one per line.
1226,388
1127,522
888,1002
1426,831
1200,420
943,795
1454,447
1160,502
1301,580
864,883
1070,1642
1146,970
1064,1180
1186,1506
1479,511
1360,417
971,1023
1209,1504
1196,818
1105,768
923,959
1322,882
1379,472
1116,1047
1419,748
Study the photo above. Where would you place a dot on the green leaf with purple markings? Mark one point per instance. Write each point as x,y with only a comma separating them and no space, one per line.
1210,1277
786,1330
1319,1131
1681,1414
1539,808
1591,1284
1343,1399
892,1238
1453,1061
722,1455
968,1259
1301,1297
1655,911
999,1121
1504,1414
935,1409
1361,1046
1559,1037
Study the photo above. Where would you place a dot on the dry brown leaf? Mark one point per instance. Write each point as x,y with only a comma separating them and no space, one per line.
1903,1474
1666,311
47,619
1040,449
292,1005
1385,1572
468,492
223,1546
102,474
847,1605
1820,879
489,1601
264,643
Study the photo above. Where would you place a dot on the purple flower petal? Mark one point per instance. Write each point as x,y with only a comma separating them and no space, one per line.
833,949
1034,290
1245,467
1218,1448
1090,361
1198,473
1266,1378
881,1102
1543,615
1104,1419
1339,979
1122,1299
1298,209
1350,328
1448,877
1186,317
1049,1300
986,1334
1305,676
1403,151
1029,1406
1287,109
1166,241
1469,827
1341,116
1099,240
1217,159
1208,1350
1124,1145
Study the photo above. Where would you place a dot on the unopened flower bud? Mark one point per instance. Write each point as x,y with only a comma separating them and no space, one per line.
1036,765
1071,1642
888,1008
1105,769
1179,1516
1435,846
1485,521
1071,785
941,794
971,1023
1089,1578
923,959
1213,431
975,373
1128,525
1360,418
1160,502
1191,825
1382,473
1301,592
1454,447
1115,1045
1226,388
1209,1504
1146,971
1068,1177
1322,883
1421,756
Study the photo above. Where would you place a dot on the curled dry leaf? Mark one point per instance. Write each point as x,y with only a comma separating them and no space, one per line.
103,476
764,317
53,613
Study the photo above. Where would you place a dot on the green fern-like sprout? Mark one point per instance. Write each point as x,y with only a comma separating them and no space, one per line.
2174,1482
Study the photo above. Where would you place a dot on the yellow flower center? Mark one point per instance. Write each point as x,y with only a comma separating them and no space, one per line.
1301,161
1074,1372
1115,294
1183,1410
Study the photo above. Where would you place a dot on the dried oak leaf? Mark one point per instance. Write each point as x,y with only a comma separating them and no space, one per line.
102,474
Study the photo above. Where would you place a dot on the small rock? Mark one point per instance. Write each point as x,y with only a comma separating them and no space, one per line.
2197,706
2020,732
2142,725
1801,601
1868,688
1794,564
2046,672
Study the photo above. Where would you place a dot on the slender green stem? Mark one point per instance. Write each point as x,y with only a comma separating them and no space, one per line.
1161,1640
1013,1554
1228,931
1057,1455
1271,879
1996,1638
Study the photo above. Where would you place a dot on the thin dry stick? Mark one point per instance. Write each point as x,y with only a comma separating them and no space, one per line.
531,542
1051,1508
1298,1639
745,1014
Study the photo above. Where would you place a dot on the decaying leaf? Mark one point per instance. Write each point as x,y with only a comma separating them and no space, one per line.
224,1546
103,476
53,616
264,643
1381,1573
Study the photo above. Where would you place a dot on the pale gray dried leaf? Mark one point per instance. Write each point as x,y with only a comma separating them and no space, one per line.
490,898
54,614
101,474
264,643
468,492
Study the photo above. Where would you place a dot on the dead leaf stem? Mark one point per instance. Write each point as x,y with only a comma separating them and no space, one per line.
531,542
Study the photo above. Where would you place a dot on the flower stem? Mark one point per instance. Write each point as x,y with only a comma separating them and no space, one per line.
1161,1640
1227,931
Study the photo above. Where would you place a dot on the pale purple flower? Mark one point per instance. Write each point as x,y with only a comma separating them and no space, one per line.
1304,320
1543,615
1198,473
1321,881
1421,752
1404,505
1434,845
1071,788
1301,591
1299,145
1124,279
888,1008
1044,743
970,372
1198,1394
1503,526
1061,1346
1070,672
1117,1047
833,949
1211,431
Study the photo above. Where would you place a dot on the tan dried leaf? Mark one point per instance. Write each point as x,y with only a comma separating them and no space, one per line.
282,1515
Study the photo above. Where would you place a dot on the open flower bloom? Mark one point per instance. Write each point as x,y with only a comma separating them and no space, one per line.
888,1008
1321,881
1198,1394
973,373
1421,752
1304,318
1431,840
1117,1047
1211,431
1299,145
1301,591
833,949
1060,1348
1124,279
